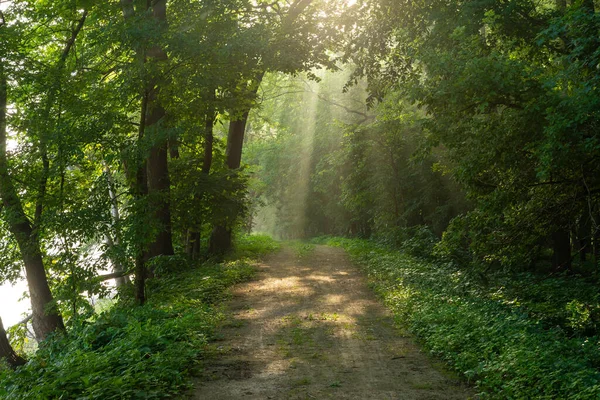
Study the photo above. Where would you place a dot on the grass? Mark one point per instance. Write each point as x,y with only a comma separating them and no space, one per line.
133,352
513,338
303,250
253,246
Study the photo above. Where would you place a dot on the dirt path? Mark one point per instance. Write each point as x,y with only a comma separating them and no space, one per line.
311,328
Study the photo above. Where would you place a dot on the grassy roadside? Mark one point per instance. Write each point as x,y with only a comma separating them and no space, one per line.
493,335
131,352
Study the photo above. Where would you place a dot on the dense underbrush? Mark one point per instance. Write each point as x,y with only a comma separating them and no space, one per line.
133,352
517,336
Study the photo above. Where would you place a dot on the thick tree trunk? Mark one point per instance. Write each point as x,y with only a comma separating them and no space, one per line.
152,176
584,232
220,241
561,243
596,238
208,143
140,191
6,350
153,113
137,175
235,141
220,238
46,318
159,183
193,239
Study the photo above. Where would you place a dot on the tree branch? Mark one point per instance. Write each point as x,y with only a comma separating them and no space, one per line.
114,275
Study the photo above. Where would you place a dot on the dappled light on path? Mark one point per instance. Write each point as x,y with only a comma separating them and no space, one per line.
309,328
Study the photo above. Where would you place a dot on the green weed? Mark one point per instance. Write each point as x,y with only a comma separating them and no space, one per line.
303,250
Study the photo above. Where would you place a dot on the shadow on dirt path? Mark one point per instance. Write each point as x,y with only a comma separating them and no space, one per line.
310,328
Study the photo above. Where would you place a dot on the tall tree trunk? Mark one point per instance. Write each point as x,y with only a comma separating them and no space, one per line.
6,350
153,113
208,142
46,318
159,183
597,244
152,179
584,232
235,141
140,191
220,239
193,242
137,175
561,243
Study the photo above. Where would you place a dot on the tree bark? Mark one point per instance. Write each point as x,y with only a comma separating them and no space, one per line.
159,182
220,239
159,185
235,141
208,142
584,232
46,318
561,243
152,179
193,239
597,247
6,350
157,171
140,191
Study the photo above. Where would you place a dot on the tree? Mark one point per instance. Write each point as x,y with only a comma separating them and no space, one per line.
6,351
506,94
46,317
299,36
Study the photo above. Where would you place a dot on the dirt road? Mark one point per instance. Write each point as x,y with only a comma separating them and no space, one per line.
310,328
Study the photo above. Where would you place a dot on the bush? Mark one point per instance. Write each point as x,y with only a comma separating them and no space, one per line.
254,246
420,242
165,265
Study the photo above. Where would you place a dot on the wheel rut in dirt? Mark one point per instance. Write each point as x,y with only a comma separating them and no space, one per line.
309,327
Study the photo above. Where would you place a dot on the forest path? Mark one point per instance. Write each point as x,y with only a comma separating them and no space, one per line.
310,328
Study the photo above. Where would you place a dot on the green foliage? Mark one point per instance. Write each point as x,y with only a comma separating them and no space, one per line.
506,91
168,265
132,352
417,241
302,249
327,164
517,336
254,246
